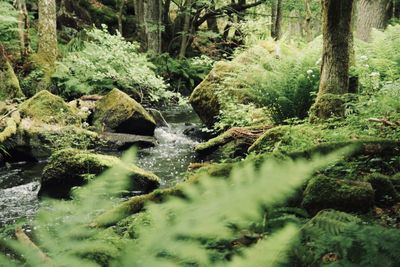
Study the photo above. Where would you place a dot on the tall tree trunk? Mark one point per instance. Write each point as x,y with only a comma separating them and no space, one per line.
307,21
276,30
141,23
337,39
23,28
186,29
371,14
121,6
274,8
153,14
212,21
47,47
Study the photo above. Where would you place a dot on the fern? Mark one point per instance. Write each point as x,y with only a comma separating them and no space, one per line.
174,230
349,239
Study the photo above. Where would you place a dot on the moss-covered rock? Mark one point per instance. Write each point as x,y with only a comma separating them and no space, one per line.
9,84
48,108
204,99
266,142
385,193
71,167
232,143
327,193
134,205
117,112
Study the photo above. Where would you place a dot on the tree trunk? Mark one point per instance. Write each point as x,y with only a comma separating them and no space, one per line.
186,29
23,28
274,7
307,21
121,6
371,14
276,30
153,10
212,21
47,28
337,39
141,23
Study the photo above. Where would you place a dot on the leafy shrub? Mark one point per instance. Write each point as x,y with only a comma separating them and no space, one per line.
8,25
379,60
108,61
183,75
285,86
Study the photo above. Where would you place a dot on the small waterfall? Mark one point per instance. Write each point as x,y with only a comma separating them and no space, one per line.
175,151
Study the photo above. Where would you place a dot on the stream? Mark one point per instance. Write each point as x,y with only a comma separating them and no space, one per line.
20,182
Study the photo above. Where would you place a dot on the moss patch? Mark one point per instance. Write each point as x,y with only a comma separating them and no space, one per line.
48,108
70,167
327,106
9,85
385,193
327,193
118,112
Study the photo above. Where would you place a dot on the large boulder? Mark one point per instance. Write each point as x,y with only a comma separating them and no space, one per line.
225,82
48,108
327,193
9,84
71,167
117,112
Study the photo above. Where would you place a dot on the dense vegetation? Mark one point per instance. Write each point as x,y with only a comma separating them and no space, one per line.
299,160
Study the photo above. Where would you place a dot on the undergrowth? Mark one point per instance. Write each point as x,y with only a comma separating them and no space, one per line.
65,238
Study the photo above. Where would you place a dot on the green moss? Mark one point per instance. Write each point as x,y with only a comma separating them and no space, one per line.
204,98
107,246
326,193
385,193
118,112
134,205
9,85
48,108
268,141
214,170
70,167
327,106
9,131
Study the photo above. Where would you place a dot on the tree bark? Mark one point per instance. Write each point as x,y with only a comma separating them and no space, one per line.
186,29
47,47
23,28
307,21
121,6
153,15
337,36
276,29
371,14
141,23
212,21
337,41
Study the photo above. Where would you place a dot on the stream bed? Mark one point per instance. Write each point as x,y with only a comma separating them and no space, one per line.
20,182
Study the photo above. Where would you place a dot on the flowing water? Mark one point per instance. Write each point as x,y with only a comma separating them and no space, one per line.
20,183
175,151
19,186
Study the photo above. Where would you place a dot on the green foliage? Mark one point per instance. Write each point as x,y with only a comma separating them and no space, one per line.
183,75
108,61
8,25
347,239
379,59
286,85
206,212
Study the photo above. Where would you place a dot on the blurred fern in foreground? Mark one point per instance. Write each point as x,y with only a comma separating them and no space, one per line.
173,234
